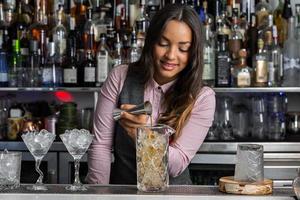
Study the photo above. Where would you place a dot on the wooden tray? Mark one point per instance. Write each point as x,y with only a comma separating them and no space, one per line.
229,185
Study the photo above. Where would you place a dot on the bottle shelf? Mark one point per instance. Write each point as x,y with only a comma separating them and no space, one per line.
49,89
96,89
257,90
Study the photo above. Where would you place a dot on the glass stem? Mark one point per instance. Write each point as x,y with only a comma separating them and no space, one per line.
37,168
77,165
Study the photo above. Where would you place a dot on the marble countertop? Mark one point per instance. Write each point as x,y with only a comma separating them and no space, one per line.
125,192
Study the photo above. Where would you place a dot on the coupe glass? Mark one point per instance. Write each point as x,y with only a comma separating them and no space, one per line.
38,144
77,142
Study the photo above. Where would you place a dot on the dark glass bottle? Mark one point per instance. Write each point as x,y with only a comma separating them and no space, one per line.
223,74
70,71
89,71
252,35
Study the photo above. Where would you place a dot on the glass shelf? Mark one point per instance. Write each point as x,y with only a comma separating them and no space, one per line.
50,89
257,89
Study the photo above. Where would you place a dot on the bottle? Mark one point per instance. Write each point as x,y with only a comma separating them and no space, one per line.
297,18
243,73
89,33
267,49
16,71
142,23
40,21
278,19
223,74
208,76
262,10
70,71
287,13
89,69
34,70
103,60
252,35
261,66
134,51
277,60
3,68
291,57
59,35
236,37
117,53
47,71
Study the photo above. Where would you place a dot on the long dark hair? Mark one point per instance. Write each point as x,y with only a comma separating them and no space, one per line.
180,98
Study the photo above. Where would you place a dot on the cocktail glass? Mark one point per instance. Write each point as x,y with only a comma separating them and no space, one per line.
38,144
77,142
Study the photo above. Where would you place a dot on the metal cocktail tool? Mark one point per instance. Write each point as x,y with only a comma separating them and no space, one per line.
144,108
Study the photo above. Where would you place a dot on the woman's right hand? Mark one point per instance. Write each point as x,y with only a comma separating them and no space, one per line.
131,122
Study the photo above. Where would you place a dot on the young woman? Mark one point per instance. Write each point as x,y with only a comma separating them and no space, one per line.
169,75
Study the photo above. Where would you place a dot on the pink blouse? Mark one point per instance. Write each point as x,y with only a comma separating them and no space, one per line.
180,153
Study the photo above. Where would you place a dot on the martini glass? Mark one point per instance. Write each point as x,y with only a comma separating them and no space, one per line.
38,144
77,142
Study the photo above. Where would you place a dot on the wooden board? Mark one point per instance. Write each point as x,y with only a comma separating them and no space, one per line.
229,185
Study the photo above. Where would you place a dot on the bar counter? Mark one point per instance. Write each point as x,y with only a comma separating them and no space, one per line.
126,192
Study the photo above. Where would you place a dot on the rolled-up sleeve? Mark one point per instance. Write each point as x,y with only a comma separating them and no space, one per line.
99,154
182,151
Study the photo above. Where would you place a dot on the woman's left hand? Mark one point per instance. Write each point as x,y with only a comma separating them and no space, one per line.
131,122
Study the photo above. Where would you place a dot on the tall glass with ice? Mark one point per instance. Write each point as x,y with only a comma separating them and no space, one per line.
152,145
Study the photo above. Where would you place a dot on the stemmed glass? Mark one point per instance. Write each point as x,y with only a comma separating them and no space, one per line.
38,144
77,142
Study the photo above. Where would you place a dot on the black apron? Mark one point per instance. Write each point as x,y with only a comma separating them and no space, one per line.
123,169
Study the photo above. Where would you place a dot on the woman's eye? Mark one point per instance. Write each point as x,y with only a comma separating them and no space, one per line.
163,44
184,49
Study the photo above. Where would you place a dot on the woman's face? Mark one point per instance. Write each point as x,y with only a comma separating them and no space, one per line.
171,53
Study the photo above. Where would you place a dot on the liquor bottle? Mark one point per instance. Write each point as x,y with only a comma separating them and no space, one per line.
278,19
79,12
35,71
236,37
3,68
267,49
223,74
118,57
252,35
297,18
70,71
262,10
261,66
287,13
243,73
277,59
142,23
89,69
208,75
40,22
134,51
16,70
51,72
208,18
103,60
59,36
291,57
120,13
89,33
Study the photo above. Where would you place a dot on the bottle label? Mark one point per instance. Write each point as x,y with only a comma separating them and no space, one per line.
243,79
70,76
261,72
102,67
271,72
3,77
89,74
290,63
223,70
47,75
208,61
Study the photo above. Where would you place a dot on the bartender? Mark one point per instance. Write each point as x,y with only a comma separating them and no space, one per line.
169,75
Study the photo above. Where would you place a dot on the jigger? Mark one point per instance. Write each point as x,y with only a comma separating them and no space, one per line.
144,108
